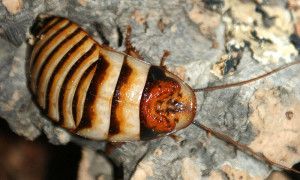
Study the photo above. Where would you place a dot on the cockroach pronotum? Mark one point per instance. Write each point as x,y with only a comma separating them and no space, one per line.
101,94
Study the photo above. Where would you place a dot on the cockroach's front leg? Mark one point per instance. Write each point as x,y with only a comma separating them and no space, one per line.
130,50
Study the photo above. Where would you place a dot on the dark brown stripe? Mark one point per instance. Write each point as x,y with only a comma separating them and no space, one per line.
82,79
53,53
59,66
69,75
99,76
40,23
50,27
126,70
47,42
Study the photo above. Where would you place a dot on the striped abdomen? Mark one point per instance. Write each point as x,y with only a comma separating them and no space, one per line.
102,94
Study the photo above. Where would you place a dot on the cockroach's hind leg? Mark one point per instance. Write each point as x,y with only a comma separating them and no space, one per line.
99,28
175,137
110,146
130,50
163,59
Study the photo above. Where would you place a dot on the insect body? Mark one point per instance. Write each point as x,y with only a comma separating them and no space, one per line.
102,94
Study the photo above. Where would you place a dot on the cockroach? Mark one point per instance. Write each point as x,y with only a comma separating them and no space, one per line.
101,94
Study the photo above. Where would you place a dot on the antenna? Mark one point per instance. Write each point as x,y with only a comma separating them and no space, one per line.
247,81
228,139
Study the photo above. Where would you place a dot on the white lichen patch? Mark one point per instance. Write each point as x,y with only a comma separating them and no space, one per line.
233,173
93,164
85,163
82,2
215,175
217,69
277,133
143,170
199,15
158,152
139,17
278,175
13,6
268,44
180,71
189,169
63,136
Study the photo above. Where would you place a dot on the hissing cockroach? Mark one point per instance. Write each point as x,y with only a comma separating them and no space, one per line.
102,94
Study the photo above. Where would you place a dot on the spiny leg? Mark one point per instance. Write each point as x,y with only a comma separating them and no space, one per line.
130,50
110,146
163,58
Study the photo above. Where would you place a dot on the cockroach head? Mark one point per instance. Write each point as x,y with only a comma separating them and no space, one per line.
168,104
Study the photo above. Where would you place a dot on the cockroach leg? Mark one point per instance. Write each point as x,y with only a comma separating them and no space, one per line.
130,50
163,58
175,137
110,146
